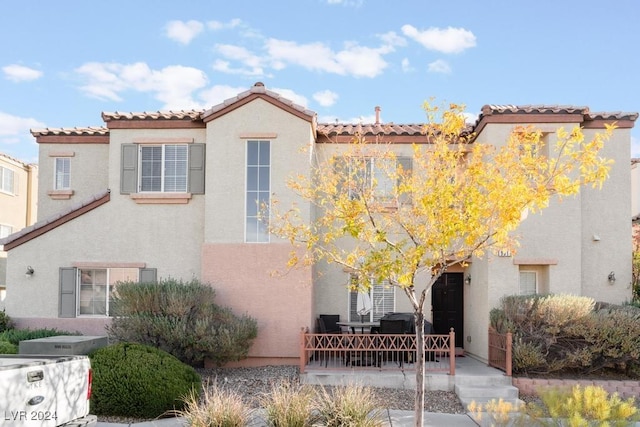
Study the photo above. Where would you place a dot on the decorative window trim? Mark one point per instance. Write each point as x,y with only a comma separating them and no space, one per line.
60,194
258,135
62,154
81,264
160,198
535,261
162,141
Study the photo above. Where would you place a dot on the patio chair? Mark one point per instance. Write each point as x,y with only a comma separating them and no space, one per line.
332,342
395,326
331,323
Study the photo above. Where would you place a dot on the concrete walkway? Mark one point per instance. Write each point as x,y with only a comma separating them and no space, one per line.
395,418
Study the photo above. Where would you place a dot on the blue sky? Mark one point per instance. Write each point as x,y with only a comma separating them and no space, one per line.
64,62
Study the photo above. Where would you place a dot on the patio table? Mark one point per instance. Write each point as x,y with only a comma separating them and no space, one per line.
361,325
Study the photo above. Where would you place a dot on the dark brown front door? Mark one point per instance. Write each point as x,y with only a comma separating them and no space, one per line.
447,305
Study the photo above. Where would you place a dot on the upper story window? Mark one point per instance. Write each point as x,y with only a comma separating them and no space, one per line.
163,168
62,176
374,174
258,191
162,173
7,180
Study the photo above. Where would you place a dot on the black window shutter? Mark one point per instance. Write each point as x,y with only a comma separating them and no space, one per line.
67,303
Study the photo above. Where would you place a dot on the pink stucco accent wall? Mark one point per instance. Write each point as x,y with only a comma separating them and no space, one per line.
243,277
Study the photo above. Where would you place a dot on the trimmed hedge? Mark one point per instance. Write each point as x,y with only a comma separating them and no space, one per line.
139,381
7,348
14,336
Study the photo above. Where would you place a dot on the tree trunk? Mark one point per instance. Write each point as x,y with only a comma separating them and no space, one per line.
419,403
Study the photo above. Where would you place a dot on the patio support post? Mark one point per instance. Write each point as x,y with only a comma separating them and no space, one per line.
452,352
509,353
303,353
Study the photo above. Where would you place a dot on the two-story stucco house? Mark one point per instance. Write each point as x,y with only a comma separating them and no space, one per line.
18,203
173,194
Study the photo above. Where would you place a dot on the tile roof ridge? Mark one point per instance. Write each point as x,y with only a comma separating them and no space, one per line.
257,89
77,130
13,159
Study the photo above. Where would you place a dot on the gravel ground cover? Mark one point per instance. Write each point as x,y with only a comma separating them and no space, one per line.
252,383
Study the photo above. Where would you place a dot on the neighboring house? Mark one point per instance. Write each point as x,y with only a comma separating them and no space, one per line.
635,189
173,194
18,204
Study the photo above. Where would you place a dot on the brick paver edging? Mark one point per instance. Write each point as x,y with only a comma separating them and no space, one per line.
625,389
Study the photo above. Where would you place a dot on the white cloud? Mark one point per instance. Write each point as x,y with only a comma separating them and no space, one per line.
326,98
353,60
439,66
219,93
172,85
470,118
635,147
183,32
14,129
20,73
217,25
406,65
448,40
291,96
393,39
253,63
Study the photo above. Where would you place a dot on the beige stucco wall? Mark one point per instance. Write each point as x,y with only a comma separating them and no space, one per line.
88,174
243,273
560,236
19,209
635,189
116,232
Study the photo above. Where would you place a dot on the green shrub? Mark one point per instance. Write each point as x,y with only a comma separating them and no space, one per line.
7,348
182,319
569,333
14,336
289,405
216,408
139,381
350,405
5,321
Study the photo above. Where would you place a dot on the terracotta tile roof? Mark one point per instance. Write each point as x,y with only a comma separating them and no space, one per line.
369,129
257,89
76,131
47,224
20,162
153,115
488,110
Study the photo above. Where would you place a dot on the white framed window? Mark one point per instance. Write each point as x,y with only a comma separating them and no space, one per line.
372,173
96,287
258,194
61,180
7,180
383,301
528,282
164,168
5,230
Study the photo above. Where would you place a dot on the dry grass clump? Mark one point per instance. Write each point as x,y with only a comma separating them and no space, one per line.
287,405
215,408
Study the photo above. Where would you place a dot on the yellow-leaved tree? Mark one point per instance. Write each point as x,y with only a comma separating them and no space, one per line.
457,200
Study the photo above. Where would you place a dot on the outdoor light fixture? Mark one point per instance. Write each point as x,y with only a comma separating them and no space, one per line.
468,280
29,272
612,278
